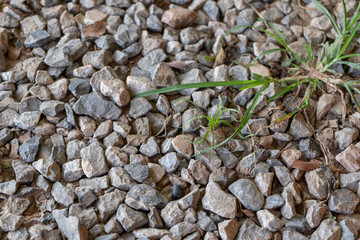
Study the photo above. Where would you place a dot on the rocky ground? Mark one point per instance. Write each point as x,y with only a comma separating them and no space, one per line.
81,158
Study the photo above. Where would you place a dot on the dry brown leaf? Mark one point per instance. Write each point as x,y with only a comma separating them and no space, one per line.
306,166
220,58
94,30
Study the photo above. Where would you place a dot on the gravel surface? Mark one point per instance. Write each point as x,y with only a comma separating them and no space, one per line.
82,158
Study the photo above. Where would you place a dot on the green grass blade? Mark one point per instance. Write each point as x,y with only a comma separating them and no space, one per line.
352,96
354,18
349,56
197,85
349,38
283,91
350,64
344,17
323,10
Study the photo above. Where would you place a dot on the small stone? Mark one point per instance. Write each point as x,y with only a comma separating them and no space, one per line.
205,222
138,172
121,179
183,228
142,197
127,35
264,182
317,183
350,158
348,230
269,220
116,90
248,194
249,230
170,162
62,194
345,137
183,146
219,202
152,59
72,170
37,39
324,104
299,128
85,195
27,120
283,175
9,187
24,173
130,219
199,171
10,222
49,169
52,107
350,181
328,229
70,226
228,229
96,107
223,176
162,75
109,203
178,17
288,209
93,161
291,234
5,136
315,214
172,214
343,201
7,118
139,107
274,201
58,57
137,85
309,149
97,59
192,76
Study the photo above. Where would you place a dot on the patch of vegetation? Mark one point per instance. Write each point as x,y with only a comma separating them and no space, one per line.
314,71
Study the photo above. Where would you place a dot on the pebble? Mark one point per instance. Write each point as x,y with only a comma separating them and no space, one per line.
248,194
343,201
219,202
142,197
178,17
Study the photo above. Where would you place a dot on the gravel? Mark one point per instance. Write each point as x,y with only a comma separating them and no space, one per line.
83,157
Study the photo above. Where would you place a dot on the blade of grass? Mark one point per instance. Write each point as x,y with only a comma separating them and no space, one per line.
197,85
353,65
323,10
282,91
344,17
352,96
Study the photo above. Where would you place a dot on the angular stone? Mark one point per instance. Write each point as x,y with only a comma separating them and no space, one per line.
37,39
49,169
248,194
343,201
172,214
268,220
349,158
24,173
93,161
108,204
345,137
130,219
249,230
219,202
62,194
120,178
299,127
317,183
142,197
70,227
10,222
96,107
127,35
9,187
315,214
328,229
